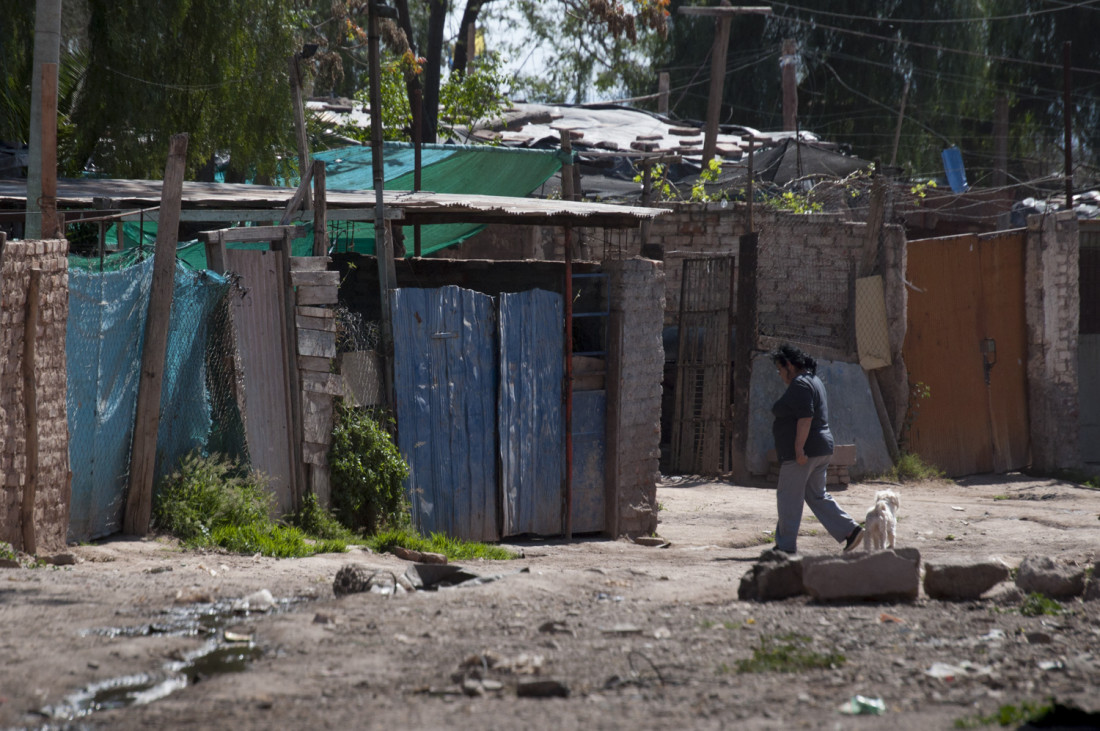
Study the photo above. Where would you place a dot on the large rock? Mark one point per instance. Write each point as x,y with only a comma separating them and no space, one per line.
888,575
962,579
1044,575
775,576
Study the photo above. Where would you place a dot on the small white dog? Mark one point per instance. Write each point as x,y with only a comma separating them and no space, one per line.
882,521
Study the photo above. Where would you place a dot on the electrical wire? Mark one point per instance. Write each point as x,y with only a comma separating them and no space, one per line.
1085,4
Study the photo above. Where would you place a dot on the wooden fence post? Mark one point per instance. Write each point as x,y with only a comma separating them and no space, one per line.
139,500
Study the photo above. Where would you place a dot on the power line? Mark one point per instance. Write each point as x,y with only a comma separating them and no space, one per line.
932,46
1085,4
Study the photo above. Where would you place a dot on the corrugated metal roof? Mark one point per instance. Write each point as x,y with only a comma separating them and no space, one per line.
422,207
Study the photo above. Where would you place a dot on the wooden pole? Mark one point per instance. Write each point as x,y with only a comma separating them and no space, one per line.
47,50
744,345
1000,142
299,119
320,210
788,64
717,81
418,115
382,251
139,500
897,129
30,411
662,93
566,167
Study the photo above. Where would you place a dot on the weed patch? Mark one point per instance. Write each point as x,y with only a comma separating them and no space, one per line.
368,473
787,654
7,552
278,541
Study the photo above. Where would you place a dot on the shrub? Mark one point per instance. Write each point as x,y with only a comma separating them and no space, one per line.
206,493
368,473
911,468
311,518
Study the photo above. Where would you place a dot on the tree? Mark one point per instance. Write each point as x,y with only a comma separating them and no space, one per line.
216,69
604,46
856,57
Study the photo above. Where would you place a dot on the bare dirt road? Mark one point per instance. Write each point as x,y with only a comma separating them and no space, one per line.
141,635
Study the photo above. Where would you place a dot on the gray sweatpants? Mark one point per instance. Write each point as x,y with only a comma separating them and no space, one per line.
805,483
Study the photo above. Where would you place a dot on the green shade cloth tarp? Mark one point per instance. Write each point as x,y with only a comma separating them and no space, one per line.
472,169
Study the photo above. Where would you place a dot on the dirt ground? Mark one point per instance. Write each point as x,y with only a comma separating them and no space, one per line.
638,636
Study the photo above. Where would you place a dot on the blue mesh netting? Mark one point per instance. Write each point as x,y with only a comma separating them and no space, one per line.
103,345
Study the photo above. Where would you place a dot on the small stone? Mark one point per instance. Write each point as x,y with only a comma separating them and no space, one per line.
1043,575
1038,638
63,559
8,563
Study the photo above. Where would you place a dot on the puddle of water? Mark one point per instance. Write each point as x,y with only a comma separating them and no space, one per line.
215,657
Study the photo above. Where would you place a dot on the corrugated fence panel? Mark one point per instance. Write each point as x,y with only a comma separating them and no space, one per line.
531,429
589,440
259,323
445,376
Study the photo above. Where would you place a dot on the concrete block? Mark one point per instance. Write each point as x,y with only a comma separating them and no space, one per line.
880,576
1043,575
962,579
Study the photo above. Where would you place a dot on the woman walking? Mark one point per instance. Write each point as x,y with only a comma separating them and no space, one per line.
804,444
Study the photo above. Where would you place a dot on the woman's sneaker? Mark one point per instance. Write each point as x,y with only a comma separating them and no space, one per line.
853,538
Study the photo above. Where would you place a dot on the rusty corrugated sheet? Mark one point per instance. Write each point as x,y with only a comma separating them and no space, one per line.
531,436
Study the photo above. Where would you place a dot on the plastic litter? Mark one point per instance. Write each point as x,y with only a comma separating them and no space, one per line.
859,705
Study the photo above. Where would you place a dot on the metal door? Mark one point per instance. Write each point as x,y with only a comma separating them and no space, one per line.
445,378
967,343
530,413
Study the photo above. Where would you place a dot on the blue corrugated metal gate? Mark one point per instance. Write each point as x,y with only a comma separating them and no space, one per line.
445,376
476,383
531,438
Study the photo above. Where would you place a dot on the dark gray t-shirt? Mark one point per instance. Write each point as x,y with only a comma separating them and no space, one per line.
804,397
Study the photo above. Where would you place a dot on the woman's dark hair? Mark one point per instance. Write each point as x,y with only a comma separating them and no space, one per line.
785,354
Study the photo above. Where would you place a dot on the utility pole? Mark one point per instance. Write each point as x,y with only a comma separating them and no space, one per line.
788,64
723,15
1067,111
47,49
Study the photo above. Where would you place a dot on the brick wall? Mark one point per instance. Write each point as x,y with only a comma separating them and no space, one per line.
634,398
52,497
1053,310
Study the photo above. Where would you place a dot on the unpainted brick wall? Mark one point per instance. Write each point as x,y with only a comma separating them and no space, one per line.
51,514
634,398
1052,304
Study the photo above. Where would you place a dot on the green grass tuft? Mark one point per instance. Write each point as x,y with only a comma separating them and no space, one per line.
315,521
6,551
452,548
912,468
1038,605
787,654
1007,715
270,539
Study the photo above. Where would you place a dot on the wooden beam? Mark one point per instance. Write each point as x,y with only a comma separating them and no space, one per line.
30,411
214,215
139,500
300,197
788,64
293,383
300,125
253,233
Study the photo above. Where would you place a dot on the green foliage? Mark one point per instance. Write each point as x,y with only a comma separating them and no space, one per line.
658,182
709,174
918,392
368,473
452,548
212,502
206,493
912,468
7,552
1036,604
793,202
270,539
466,99
314,520
789,653
920,190
1008,715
